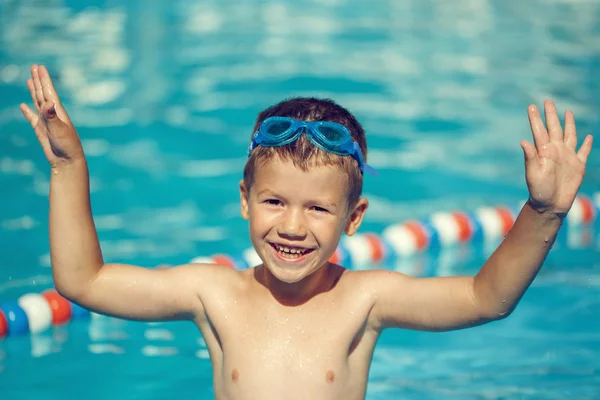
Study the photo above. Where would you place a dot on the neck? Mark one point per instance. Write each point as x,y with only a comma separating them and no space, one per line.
298,293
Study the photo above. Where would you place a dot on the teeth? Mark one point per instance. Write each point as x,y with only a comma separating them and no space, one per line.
291,250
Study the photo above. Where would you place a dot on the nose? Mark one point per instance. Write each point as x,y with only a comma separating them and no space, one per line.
292,225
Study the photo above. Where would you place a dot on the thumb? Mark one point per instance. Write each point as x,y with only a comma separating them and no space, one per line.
49,111
529,152
54,125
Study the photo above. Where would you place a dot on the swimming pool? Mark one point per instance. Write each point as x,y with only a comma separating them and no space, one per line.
165,94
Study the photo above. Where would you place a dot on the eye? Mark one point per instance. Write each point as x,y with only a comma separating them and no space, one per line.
272,202
320,209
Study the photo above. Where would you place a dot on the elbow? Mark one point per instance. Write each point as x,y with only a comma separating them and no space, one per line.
500,315
75,292
496,312
489,306
68,292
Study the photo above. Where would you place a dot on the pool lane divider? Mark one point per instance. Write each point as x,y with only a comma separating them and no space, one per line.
37,312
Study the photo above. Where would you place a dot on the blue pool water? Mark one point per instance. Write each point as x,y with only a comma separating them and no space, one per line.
164,94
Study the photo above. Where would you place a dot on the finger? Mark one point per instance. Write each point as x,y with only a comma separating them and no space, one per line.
570,130
50,93
48,90
37,85
530,153
29,115
40,133
32,93
552,122
538,130
586,147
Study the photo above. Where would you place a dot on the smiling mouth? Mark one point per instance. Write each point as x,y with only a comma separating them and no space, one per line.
289,252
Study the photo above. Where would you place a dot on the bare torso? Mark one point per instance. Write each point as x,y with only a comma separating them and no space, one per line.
261,349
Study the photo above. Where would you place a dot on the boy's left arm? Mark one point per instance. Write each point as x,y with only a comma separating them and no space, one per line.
554,172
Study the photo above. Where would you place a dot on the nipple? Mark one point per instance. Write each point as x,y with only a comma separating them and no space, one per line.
235,375
330,376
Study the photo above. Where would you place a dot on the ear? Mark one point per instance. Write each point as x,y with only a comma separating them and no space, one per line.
356,216
244,193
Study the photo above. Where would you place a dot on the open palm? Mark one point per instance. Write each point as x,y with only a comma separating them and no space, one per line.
53,127
554,169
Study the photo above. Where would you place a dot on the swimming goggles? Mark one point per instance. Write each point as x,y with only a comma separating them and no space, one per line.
328,136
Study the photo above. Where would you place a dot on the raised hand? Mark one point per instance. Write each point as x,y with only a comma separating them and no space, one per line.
51,124
554,169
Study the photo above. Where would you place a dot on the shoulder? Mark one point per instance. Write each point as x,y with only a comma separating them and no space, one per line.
371,280
208,279
212,284
374,286
383,291
369,291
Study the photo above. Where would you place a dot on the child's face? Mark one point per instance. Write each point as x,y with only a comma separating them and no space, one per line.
297,217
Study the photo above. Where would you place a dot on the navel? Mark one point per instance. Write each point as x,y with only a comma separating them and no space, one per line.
235,375
330,376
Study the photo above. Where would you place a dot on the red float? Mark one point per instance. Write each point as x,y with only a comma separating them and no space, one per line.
465,227
336,257
221,259
377,249
3,325
587,209
507,218
61,308
419,233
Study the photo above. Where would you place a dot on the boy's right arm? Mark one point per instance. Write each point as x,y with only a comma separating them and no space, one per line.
77,265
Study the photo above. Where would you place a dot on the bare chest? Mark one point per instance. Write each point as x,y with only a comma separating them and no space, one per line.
320,348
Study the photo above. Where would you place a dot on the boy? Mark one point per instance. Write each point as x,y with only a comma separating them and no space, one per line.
297,326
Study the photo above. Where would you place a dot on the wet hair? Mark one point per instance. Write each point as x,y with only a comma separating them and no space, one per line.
302,153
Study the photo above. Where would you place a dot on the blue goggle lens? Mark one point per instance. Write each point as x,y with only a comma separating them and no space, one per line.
277,127
334,135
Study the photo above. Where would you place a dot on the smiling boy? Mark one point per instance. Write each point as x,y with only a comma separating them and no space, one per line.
298,326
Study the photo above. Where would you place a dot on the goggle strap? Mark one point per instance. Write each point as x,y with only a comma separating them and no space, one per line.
253,143
370,170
